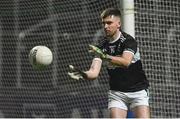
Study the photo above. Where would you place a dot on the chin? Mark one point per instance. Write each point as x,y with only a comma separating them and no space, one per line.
108,35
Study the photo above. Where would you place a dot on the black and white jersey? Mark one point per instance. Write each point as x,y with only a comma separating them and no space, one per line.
129,79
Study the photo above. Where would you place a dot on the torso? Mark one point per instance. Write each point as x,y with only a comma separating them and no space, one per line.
129,79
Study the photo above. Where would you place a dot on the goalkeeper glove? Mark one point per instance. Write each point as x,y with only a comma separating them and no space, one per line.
76,73
99,52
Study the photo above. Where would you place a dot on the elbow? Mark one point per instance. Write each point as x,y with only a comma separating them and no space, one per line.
126,65
93,77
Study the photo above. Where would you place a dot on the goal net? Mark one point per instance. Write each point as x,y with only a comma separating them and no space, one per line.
67,27
157,30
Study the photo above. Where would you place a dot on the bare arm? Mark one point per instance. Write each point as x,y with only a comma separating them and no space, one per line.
94,70
124,60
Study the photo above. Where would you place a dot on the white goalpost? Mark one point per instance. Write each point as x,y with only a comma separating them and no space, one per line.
128,24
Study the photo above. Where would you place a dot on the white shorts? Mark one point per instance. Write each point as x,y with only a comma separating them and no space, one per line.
127,100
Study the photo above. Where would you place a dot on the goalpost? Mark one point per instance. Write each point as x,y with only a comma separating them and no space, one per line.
128,25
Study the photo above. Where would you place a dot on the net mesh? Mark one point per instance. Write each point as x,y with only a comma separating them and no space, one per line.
67,27
157,30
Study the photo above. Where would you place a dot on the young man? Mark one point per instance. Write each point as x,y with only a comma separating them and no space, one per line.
128,83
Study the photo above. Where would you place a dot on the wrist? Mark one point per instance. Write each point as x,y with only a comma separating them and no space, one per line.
84,75
108,57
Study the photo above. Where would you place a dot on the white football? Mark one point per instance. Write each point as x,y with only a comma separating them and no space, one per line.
40,57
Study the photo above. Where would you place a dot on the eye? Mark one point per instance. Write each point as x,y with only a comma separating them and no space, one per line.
107,22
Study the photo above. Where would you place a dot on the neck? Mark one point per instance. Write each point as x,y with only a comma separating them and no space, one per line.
115,37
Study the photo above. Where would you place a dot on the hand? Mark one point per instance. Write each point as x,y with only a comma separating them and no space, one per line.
99,52
76,73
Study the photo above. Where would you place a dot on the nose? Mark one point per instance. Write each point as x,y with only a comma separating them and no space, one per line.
105,26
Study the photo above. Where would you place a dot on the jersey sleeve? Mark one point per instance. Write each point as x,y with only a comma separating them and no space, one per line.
130,45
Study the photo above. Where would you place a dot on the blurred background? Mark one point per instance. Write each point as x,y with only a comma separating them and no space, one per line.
67,27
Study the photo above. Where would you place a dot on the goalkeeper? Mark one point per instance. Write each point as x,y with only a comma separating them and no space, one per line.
127,80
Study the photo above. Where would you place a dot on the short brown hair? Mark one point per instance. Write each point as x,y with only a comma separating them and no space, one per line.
111,11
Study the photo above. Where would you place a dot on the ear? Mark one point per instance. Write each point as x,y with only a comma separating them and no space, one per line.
119,25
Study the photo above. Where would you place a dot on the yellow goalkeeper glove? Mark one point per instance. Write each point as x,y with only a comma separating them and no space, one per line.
76,73
99,52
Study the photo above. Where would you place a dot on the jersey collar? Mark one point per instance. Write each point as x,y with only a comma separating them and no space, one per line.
119,35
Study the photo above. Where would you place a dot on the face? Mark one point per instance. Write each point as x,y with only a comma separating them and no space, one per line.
111,25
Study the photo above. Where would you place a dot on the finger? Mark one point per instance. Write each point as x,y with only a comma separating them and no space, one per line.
92,47
91,51
76,77
75,69
78,71
71,67
74,73
95,49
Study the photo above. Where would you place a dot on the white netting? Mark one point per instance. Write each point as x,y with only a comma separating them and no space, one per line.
158,33
67,27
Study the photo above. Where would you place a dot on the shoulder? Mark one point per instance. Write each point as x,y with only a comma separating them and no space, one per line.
128,38
129,43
